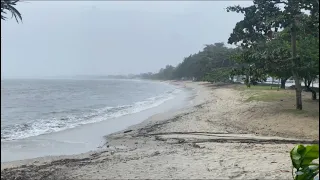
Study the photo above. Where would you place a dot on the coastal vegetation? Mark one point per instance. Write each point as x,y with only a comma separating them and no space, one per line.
276,38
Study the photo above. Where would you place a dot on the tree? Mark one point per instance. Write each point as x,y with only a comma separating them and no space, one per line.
250,65
264,18
309,55
211,64
277,56
8,6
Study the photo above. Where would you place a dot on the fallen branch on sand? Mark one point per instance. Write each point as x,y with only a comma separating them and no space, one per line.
220,137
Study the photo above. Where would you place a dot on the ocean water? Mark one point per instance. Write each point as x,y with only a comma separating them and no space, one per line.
31,108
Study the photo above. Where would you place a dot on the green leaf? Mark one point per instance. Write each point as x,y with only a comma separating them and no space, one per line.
306,174
302,157
311,153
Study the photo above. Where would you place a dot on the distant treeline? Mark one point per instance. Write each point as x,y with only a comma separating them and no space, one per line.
213,63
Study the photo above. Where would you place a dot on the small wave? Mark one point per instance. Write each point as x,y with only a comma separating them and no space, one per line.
45,126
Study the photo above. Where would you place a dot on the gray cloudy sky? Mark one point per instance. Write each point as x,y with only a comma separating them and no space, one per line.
106,37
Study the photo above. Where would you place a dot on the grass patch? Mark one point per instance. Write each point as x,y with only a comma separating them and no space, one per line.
265,93
257,87
269,96
284,100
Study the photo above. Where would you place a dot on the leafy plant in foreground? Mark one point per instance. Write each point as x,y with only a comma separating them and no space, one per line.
302,160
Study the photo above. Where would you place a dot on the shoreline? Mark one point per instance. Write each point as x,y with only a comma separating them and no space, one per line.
212,139
87,137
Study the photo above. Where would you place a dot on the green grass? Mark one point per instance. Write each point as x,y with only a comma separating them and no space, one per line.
258,87
268,96
265,93
286,97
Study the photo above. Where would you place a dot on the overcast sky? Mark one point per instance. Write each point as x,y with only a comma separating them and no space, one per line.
104,37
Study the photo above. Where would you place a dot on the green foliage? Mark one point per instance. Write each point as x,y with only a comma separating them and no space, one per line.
212,64
8,6
166,73
250,65
308,48
278,39
302,158
218,75
206,64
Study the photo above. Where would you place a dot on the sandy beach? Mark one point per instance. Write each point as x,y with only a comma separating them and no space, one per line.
222,136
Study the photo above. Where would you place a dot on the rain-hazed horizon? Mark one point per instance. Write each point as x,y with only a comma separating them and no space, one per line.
109,38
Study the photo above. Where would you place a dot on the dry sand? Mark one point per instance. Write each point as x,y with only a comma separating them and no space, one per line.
221,137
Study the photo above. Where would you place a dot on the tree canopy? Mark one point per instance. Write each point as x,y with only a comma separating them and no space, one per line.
275,33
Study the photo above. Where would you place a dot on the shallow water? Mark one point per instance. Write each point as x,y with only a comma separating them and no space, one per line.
34,107
60,117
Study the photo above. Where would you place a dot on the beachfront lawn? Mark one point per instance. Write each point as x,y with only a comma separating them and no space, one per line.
286,97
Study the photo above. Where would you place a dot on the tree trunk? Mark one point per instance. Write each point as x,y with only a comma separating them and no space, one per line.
283,83
309,83
247,81
306,84
294,73
298,93
309,89
314,94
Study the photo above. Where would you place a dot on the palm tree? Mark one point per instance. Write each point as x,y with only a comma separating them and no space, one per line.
8,6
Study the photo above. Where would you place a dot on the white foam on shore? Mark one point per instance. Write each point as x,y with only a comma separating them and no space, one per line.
46,126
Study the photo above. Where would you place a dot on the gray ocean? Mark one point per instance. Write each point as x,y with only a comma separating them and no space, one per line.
31,108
